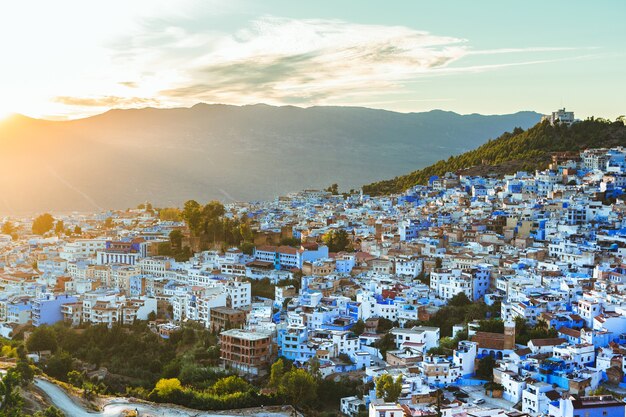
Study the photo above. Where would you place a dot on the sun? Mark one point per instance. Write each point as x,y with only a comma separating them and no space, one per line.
5,112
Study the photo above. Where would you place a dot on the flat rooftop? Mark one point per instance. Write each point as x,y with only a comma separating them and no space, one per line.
245,334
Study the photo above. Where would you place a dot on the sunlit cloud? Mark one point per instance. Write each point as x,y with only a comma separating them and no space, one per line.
279,60
106,101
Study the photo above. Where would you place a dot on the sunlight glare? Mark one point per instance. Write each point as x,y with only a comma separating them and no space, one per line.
5,112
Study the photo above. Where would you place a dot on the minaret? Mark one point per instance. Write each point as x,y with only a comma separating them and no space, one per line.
378,231
509,335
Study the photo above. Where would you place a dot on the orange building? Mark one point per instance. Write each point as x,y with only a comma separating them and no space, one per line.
246,351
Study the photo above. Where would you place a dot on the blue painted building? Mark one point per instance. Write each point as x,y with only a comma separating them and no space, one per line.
19,312
293,344
47,309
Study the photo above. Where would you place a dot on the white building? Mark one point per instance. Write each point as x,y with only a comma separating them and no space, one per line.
82,248
110,257
560,117
537,396
418,335
464,357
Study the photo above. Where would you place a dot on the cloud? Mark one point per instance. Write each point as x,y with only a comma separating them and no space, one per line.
522,50
106,101
491,67
129,84
280,60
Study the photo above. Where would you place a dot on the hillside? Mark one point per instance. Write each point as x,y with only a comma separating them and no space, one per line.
167,156
513,151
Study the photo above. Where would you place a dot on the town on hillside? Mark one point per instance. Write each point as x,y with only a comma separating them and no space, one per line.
468,296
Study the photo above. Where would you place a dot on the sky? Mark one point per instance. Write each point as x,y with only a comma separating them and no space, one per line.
71,59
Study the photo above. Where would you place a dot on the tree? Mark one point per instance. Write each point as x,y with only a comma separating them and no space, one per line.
51,411
59,227
423,278
276,373
25,371
230,385
524,332
94,355
333,189
485,368
459,300
299,387
108,223
492,326
358,328
314,367
43,224
213,209
385,343
10,398
91,389
78,230
75,378
8,352
170,214
42,338
384,325
247,247
165,387
176,239
213,225
388,389
192,215
337,240
9,228
59,365
446,346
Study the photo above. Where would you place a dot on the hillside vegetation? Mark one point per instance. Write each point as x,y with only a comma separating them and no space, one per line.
518,150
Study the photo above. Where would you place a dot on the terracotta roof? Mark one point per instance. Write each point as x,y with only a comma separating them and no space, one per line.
488,340
569,332
287,250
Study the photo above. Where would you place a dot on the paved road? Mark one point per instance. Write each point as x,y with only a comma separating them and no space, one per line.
116,407
478,391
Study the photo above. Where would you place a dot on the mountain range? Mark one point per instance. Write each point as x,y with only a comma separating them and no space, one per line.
166,156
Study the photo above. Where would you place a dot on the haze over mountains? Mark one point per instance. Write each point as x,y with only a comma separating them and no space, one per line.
166,156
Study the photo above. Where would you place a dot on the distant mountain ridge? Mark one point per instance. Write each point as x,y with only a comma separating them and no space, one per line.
517,150
122,157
